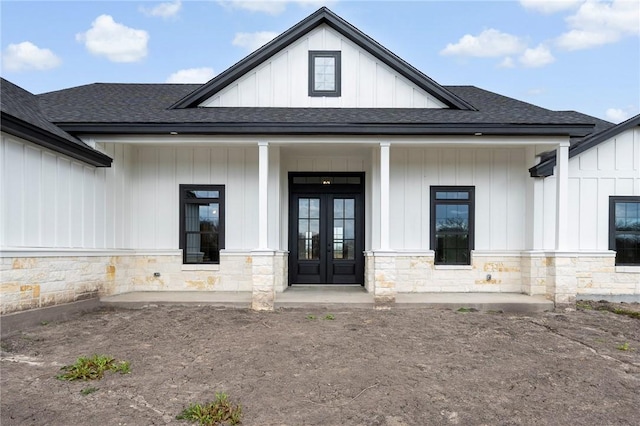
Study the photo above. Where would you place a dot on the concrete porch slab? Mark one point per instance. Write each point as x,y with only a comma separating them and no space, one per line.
318,296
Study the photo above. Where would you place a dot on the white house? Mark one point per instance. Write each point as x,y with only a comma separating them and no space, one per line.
321,158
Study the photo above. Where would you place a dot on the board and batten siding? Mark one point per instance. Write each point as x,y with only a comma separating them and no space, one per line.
53,201
499,176
159,171
610,168
282,80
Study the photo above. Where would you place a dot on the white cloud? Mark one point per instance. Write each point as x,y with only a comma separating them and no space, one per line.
271,7
549,6
598,23
535,92
192,75
117,42
488,44
507,63
27,56
538,57
618,115
252,41
163,10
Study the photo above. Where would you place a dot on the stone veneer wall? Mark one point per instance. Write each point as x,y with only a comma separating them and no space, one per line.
41,281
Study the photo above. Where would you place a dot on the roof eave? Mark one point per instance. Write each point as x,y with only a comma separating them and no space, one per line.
458,129
24,130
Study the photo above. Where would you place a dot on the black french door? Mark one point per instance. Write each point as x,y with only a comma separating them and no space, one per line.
326,229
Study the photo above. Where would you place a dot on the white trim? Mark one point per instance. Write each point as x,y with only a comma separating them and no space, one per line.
384,196
562,196
200,267
263,194
628,269
62,252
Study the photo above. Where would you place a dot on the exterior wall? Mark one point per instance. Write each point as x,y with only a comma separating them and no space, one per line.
50,200
159,170
498,174
611,168
282,81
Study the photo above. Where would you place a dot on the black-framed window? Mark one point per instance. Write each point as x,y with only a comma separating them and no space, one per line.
452,224
624,229
201,223
324,73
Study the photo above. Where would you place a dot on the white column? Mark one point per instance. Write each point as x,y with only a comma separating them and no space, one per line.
562,196
384,195
263,191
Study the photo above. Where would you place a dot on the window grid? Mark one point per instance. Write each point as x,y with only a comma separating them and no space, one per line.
201,223
624,229
324,73
452,220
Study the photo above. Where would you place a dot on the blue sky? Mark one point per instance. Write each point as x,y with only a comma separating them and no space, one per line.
579,55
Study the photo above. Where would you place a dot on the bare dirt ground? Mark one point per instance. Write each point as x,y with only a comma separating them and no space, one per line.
365,367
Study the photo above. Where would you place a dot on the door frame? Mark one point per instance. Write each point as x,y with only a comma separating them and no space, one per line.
329,187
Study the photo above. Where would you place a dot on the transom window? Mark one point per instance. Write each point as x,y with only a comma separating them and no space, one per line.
624,229
201,223
452,219
324,73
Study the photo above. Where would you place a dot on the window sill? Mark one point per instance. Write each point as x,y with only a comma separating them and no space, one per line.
201,267
453,267
628,269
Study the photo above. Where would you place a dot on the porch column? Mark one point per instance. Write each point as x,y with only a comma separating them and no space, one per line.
263,259
384,195
384,259
562,195
263,192
563,266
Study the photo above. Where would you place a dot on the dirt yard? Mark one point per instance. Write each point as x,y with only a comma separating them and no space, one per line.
364,367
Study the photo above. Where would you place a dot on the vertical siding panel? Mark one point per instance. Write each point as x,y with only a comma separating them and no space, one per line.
384,87
32,196
185,166
623,149
589,213
264,82
465,167
148,195
624,186
575,214
484,189
549,221
15,191
250,221
121,184
321,164
366,81
247,91
448,166
297,67
606,156
64,203
606,187
131,186
236,214
77,205
339,164
220,165
201,166
397,181
425,202
499,199
110,197
49,201
89,224
517,176
432,166
100,208
413,199
280,84
167,206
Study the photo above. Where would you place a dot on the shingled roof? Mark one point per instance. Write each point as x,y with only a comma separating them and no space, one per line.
21,116
145,109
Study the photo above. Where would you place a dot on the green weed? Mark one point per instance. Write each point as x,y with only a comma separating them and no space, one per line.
88,391
465,310
93,368
220,411
330,317
311,317
624,347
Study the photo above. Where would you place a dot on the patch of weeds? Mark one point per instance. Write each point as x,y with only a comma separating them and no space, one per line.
585,306
44,322
465,310
624,347
93,368
311,317
88,391
330,317
627,312
217,412
491,311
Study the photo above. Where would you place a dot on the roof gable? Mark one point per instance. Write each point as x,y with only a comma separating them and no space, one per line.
322,17
545,167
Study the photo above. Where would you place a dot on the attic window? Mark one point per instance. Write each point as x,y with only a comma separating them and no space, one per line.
324,73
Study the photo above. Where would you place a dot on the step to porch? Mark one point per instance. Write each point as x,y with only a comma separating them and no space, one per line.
333,297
